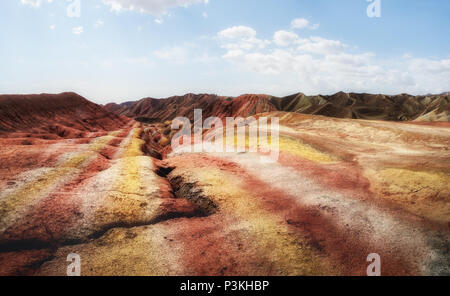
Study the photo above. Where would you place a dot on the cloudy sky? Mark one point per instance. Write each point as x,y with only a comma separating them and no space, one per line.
119,50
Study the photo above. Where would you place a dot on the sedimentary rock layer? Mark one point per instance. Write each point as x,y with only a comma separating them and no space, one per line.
127,204
64,115
402,107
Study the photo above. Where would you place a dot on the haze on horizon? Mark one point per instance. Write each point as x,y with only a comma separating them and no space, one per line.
121,50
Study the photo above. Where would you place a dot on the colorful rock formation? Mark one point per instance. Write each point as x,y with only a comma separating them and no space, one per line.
402,107
116,194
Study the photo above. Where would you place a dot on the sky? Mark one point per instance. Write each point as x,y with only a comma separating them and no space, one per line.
122,50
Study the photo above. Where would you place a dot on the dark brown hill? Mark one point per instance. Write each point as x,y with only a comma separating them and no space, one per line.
401,107
212,105
55,113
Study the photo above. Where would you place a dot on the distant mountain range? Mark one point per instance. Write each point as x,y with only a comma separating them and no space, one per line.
70,114
401,107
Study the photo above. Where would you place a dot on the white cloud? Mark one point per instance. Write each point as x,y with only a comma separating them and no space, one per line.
319,65
434,66
240,38
34,3
154,7
319,45
238,32
52,27
285,38
301,23
77,30
99,23
231,54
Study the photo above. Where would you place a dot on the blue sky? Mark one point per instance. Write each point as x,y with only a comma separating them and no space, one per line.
119,50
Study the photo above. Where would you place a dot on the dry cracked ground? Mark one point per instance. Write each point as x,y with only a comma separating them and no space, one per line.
128,205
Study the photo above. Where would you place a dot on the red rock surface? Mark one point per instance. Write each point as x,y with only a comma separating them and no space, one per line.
402,107
63,115
114,192
212,105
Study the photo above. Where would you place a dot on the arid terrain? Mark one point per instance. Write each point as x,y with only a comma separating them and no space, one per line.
402,107
355,174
